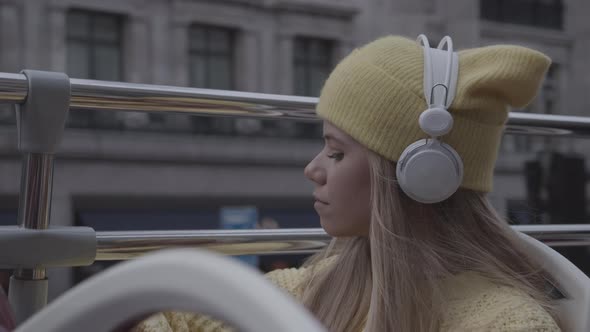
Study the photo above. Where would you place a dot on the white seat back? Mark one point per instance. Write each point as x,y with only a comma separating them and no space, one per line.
181,279
574,309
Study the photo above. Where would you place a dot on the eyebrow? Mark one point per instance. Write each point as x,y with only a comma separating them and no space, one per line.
330,137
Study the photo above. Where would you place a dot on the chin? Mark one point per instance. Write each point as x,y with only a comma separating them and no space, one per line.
327,227
331,230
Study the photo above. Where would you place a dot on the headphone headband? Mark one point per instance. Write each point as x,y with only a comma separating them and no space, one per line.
440,67
428,170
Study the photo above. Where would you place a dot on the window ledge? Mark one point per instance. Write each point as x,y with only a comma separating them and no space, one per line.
335,8
544,35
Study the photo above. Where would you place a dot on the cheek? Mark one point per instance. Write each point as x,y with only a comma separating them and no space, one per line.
350,196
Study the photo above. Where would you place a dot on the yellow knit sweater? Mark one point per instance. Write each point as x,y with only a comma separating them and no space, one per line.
475,305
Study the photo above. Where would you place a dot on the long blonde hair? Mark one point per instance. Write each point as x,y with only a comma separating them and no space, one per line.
392,280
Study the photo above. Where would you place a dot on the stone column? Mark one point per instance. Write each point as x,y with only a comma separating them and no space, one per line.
176,70
136,51
161,45
57,18
462,21
284,72
408,18
34,36
267,58
179,51
247,61
11,35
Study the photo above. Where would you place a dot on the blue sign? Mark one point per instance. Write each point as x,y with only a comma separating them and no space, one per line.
240,217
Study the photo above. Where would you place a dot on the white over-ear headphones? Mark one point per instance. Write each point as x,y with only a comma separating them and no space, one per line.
430,171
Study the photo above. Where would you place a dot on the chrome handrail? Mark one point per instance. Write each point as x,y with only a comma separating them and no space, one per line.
119,96
123,245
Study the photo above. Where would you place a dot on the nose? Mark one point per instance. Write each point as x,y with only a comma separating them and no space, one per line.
315,172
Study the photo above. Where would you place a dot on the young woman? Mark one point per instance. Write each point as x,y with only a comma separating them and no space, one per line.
412,252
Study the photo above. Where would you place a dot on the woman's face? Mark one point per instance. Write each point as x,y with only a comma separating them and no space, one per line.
340,173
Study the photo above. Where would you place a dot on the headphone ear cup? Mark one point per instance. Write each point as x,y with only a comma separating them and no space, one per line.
429,171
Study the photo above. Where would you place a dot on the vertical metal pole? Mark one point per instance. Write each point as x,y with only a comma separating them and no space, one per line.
40,121
35,206
34,211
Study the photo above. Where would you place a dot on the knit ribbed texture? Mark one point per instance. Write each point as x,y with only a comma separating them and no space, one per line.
376,96
475,304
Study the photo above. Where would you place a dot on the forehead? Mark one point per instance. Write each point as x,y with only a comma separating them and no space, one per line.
331,131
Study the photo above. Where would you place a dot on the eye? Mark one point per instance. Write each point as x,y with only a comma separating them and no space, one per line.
336,156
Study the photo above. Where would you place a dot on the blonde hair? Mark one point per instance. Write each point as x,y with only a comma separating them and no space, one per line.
392,280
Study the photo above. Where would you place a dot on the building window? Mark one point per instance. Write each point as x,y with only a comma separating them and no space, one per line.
94,51
211,57
312,62
211,66
538,13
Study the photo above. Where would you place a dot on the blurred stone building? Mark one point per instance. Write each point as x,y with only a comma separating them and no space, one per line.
124,171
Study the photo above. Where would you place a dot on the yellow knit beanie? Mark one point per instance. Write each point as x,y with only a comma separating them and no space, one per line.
376,96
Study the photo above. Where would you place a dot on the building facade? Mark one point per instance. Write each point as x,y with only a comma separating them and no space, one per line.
149,171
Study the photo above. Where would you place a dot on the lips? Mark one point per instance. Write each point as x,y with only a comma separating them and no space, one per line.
319,200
